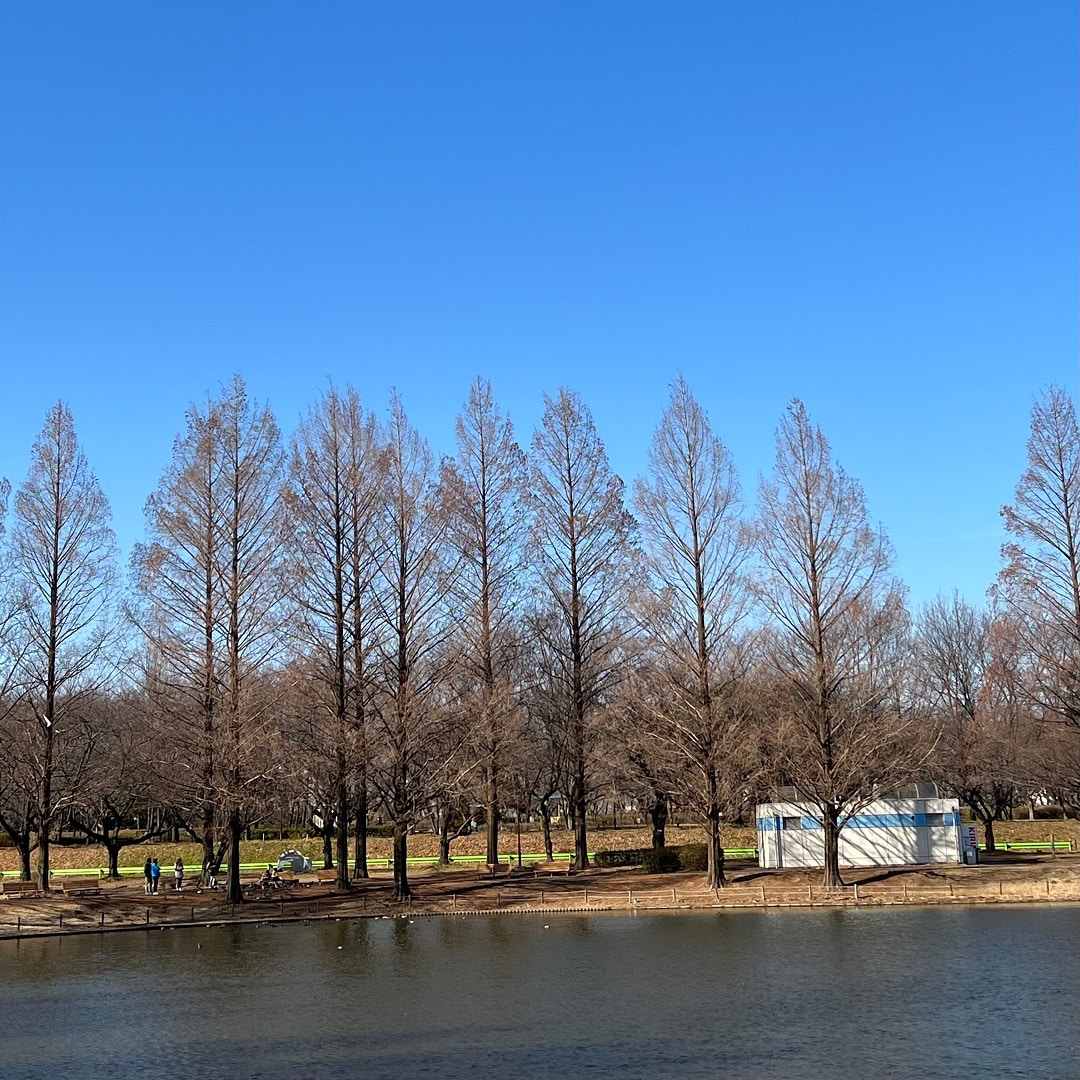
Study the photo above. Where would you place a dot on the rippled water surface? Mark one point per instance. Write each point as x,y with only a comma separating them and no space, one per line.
927,993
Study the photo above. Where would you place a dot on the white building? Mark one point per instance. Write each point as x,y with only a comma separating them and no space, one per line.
887,832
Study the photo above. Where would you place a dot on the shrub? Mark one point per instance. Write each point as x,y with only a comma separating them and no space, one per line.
694,857
619,857
663,860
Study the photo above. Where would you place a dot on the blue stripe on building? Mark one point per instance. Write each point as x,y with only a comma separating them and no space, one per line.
866,821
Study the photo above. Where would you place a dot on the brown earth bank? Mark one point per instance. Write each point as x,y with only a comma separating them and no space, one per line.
463,890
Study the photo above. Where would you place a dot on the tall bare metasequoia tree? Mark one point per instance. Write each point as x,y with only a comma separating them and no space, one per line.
1040,583
214,585
688,508
582,544
63,564
483,491
333,500
411,593
837,619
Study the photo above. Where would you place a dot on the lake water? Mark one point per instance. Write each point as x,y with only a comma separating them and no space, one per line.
793,995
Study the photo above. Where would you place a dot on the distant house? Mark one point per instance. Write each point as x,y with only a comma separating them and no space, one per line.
893,831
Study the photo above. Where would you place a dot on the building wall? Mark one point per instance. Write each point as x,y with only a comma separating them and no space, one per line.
889,832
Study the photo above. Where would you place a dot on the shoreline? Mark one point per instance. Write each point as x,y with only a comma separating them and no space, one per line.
123,907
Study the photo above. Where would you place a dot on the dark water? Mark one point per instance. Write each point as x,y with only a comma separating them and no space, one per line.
949,993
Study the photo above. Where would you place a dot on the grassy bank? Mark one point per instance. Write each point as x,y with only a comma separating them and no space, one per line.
424,845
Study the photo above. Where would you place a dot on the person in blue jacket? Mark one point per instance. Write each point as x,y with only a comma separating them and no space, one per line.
155,873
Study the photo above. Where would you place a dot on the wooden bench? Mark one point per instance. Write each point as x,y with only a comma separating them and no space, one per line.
19,888
79,886
554,866
291,880
490,870
324,874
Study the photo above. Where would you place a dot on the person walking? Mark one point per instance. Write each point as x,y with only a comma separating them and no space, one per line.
155,874
148,875
178,874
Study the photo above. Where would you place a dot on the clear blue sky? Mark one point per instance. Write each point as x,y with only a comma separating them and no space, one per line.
872,206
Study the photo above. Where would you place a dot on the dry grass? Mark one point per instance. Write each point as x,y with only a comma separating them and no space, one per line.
89,856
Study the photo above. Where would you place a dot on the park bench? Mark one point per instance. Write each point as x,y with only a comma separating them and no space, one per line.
553,866
326,875
490,870
19,888
290,880
84,886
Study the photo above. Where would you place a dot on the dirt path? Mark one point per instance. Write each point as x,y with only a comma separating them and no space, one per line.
124,906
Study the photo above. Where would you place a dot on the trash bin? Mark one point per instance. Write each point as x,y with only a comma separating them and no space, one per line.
971,856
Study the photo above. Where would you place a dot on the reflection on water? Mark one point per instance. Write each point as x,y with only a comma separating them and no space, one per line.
930,993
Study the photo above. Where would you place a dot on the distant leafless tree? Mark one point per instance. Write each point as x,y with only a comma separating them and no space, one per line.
582,549
837,635
63,570
976,758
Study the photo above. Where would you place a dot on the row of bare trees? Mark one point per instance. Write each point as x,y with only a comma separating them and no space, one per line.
343,623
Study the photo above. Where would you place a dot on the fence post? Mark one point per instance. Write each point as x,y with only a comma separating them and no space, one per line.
1053,847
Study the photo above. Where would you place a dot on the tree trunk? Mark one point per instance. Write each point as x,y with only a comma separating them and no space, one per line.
343,882
658,815
402,892
112,847
209,848
360,866
234,894
988,833
444,837
545,825
42,875
581,839
831,822
492,823
715,865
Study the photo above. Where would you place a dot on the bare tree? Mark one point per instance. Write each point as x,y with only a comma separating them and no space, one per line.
688,507
119,786
414,581
181,617
63,562
963,690
483,491
215,587
582,548
1040,583
333,500
836,646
